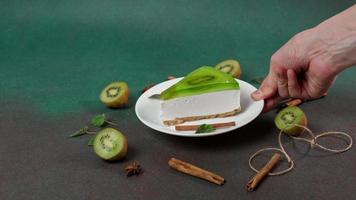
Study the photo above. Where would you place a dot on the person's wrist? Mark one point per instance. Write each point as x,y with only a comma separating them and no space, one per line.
336,41
335,49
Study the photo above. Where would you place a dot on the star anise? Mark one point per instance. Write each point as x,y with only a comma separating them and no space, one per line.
133,169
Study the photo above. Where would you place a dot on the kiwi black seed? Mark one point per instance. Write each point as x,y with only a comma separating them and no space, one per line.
115,94
231,67
110,144
289,118
113,91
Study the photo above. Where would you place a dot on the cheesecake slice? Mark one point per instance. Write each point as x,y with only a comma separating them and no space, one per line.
205,93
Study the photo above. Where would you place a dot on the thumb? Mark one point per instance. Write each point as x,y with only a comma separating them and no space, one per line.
267,89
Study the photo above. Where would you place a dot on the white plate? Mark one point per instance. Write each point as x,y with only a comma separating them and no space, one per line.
148,111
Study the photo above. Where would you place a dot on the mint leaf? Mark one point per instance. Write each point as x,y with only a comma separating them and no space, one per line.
98,120
80,132
205,128
91,141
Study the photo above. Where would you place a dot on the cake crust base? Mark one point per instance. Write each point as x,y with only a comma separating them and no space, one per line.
182,120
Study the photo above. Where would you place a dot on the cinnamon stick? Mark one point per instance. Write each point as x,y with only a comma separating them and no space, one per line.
171,77
322,96
294,102
253,183
192,170
195,127
147,88
297,102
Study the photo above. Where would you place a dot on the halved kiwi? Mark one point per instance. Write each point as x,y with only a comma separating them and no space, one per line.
287,119
110,144
115,94
231,67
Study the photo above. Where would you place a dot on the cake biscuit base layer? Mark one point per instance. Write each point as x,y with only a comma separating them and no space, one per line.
182,120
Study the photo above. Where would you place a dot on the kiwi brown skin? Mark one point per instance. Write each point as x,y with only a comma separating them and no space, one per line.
120,101
121,155
290,129
296,130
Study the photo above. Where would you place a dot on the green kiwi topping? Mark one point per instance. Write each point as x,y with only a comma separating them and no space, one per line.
289,118
231,67
115,94
110,144
202,80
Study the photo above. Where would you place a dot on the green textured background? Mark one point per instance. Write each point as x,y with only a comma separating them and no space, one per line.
59,55
56,56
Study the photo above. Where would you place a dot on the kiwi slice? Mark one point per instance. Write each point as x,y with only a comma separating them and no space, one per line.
287,119
231,67
115,95
110,144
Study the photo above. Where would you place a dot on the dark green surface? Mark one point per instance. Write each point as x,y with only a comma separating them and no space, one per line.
55,58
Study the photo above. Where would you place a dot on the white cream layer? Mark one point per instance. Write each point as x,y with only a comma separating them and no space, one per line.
202,104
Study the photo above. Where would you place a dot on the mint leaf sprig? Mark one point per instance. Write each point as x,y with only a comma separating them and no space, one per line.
100,121
91,141
96,121
205,128
82,131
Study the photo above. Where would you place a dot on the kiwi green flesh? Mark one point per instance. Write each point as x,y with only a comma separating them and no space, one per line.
113,91
203,80
231,67
109,144
288,117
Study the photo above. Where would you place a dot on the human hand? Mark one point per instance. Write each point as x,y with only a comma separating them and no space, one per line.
307,65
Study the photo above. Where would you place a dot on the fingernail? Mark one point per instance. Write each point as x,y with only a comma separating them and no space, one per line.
256,95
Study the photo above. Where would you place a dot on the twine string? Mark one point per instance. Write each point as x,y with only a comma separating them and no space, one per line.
313,141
